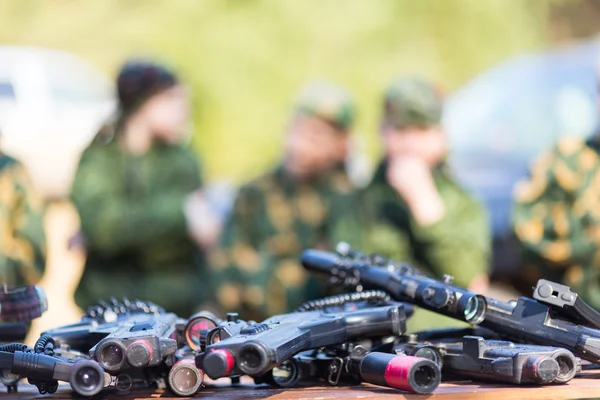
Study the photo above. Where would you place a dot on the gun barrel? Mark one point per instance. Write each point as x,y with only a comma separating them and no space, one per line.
217,363
540,369
319,261
86,378
185,378
407,373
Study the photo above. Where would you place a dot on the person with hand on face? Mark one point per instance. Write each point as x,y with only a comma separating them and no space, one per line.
256,269
133,192
413,211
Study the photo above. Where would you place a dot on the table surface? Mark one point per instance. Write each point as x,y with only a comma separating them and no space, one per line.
585,386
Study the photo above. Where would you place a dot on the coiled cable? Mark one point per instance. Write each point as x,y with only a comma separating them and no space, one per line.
44,345
369,296
12,347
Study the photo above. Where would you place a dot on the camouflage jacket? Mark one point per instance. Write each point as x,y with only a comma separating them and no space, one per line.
377,220
256,269
556,217
22,241
131,210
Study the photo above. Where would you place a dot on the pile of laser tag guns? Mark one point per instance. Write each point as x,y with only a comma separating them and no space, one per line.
350,338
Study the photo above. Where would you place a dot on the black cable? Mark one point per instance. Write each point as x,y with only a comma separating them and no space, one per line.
44,345
12,347
370,296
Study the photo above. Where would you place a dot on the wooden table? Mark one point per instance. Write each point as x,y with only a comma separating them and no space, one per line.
585,386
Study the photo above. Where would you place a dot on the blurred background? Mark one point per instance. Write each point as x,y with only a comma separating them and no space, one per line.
507,65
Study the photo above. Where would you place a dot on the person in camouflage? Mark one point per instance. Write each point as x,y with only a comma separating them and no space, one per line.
131,192
256,269
556,217
22,240
413,210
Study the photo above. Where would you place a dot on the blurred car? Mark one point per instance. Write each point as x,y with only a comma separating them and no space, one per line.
51,106
501,120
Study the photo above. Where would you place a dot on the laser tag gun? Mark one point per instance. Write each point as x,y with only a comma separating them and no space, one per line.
551,320
200,327
353,269
19,305
498,360
255,349
138,343
101,320
137,339
354,364
86,377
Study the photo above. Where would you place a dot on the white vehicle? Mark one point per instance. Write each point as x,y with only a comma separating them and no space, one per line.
51,106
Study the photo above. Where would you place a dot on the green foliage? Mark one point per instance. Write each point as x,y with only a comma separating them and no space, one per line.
245,59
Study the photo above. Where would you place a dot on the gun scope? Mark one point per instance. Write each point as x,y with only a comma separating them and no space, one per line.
473,308
402,282
202,321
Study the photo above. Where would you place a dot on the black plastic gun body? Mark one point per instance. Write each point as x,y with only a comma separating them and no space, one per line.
497,360
100,321
137,343
531,321
258,348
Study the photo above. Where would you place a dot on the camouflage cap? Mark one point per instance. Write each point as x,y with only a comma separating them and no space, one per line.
412,102
328,102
